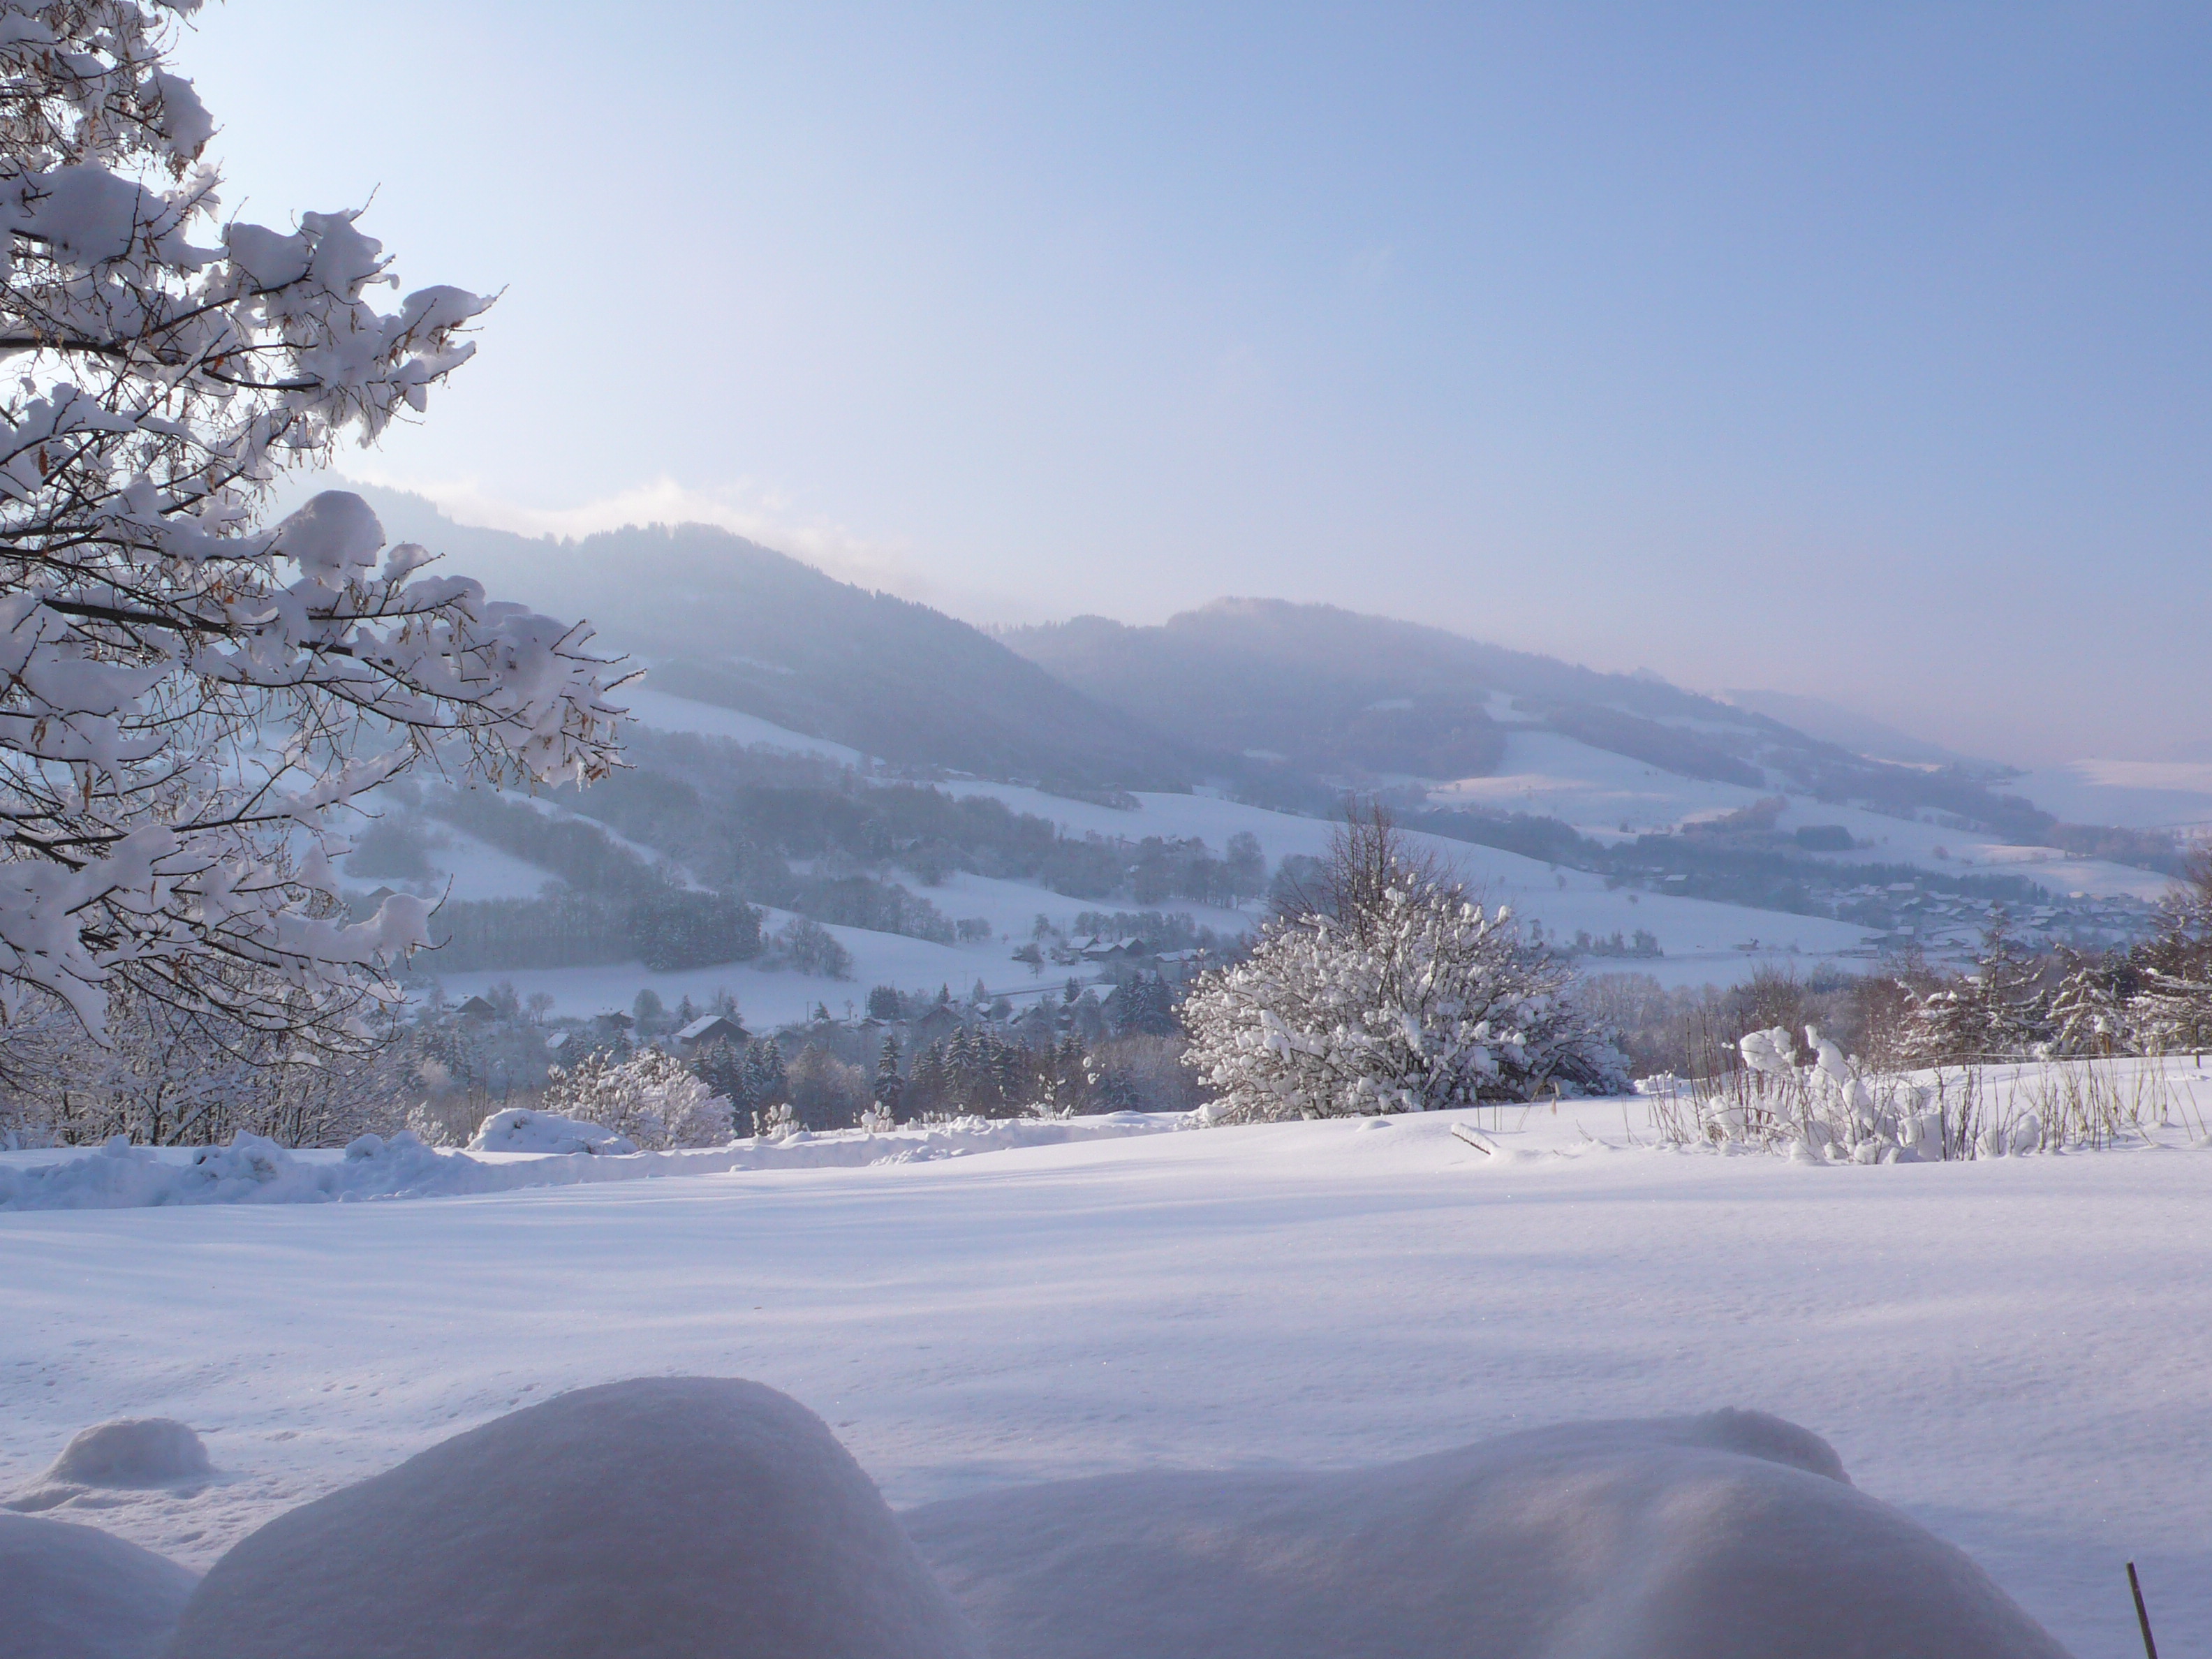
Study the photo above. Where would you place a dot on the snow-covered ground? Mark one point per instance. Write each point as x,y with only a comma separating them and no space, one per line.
2012,1350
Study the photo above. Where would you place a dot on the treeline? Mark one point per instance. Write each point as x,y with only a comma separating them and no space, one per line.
665,928
2153,997
1739,860
759,828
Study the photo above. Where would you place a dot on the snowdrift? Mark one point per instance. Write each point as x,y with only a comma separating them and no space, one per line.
519,1130
700,1517
1734,1535
663,1516
255,1171
132,1453
71,1592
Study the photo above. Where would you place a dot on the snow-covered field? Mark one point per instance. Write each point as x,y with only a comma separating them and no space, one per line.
2013,1350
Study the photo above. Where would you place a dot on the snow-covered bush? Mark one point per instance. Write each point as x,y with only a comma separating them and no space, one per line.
777,1121
1424,1001
189,699
652,1098
1837,1110
807,945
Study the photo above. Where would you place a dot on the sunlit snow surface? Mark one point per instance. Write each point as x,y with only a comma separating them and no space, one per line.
2013,1350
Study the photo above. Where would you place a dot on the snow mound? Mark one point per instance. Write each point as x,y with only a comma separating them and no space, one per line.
517,1129
1734,1535
75,1592
132,1451
666,1516
253,1170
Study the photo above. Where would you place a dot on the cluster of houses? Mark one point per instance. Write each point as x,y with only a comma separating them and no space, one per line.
1098,951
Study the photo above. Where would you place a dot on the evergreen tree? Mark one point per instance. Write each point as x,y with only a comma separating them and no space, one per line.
889,1086
2088,1010
724,1071
1994,1012
765,1082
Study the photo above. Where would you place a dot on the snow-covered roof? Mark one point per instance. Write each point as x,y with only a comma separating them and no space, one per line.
707,1025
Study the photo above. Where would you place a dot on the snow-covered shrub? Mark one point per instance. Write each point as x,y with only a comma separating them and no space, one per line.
652,1098
1424,1001
1837,1110
807,945
166,365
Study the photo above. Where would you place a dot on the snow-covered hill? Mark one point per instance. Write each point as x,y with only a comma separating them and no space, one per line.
1703,942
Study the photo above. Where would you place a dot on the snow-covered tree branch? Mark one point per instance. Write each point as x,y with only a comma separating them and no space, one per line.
190,698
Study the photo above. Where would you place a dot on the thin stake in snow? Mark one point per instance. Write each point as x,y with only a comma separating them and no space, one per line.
2143,1614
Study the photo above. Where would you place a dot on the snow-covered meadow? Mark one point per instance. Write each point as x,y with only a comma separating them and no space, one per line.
2012,1350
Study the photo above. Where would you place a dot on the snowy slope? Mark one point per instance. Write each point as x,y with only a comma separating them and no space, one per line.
2013,1351
664,713
1704,942
767,998
1597,792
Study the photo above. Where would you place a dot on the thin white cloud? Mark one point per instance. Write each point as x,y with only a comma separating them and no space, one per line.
745,508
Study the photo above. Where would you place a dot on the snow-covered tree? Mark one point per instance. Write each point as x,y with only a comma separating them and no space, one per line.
1995,1011
164,1076
2088,1012
890,1085
652,1098
190,697
2171,1012
1403,994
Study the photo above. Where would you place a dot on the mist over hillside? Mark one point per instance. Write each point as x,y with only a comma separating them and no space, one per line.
1278,704
1355,698
727,622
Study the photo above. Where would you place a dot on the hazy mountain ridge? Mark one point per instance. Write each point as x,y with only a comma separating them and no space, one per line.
726,620
1286,704
1312,683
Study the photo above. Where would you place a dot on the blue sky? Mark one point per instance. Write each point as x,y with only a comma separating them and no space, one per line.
1856,351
